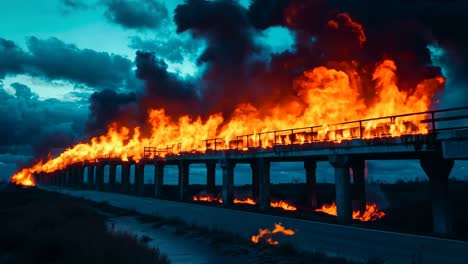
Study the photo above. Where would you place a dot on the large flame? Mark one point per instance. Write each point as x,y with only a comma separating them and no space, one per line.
323,96
266,234
371,213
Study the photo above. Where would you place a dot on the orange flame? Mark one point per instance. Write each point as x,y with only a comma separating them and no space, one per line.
371,213
207,198
310,106
266,234
245,201
283,205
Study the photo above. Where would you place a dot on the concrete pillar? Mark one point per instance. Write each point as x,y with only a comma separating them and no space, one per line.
69,176
139,179
358,195
63,178
438,171
158,178
341,164
183,178
263,168
99,176
310,167
125,180
91,176
79,176
228,181
112,176
255,181
210,176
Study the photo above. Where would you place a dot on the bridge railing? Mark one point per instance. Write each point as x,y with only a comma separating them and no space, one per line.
379,127
151,152
433,121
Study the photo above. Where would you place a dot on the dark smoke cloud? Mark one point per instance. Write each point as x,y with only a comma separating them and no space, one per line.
136,14
105,107
266,13
29,121
53,59
164,89
230,54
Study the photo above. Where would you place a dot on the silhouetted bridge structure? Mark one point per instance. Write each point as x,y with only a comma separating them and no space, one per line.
445,141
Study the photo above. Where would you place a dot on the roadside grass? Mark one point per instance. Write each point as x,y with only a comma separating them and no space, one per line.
42,227
234,245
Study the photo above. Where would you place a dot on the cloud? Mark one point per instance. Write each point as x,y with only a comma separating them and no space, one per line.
136,14
13,58
164,89
106,106
53,59
28,120
173,49
67,6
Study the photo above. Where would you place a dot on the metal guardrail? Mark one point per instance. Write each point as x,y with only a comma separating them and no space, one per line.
356,129
151,152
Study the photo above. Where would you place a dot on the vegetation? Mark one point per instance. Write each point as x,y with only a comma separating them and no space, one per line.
42,227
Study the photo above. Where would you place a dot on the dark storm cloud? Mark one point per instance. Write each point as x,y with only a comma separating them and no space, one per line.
105,107
172,49
53,59
28,120
136,14
13,58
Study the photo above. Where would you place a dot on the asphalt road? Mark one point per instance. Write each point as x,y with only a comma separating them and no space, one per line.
337,240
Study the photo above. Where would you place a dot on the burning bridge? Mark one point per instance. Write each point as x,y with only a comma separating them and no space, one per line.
346,146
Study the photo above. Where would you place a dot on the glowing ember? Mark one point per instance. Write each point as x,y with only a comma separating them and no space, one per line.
207,198
266,235
372,212
245,201
283,205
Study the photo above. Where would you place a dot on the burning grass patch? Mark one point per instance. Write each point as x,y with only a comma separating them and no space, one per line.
42,227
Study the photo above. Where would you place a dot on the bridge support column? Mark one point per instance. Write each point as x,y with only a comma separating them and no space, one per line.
69,177
139,179
79,176
158,178
228,182
125,180
91,176
210,176
64,178
359,184
99,176
438,171
310,167
341,164
183,178
112,176
54,179
263,168
255,181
